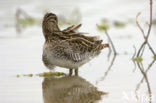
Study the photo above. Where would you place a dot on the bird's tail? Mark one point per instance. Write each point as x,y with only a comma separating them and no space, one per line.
101,46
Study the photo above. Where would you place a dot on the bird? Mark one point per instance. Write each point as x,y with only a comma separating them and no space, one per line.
71,89
67,48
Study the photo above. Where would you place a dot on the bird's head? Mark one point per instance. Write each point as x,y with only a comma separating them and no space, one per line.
50,23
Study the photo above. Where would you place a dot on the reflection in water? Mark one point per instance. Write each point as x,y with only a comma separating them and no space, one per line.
145,77
69,89
113,59
133,58
108,69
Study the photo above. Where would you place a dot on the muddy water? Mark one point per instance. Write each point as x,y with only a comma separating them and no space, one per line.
98,80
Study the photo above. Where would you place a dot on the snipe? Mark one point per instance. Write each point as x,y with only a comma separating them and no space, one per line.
67,48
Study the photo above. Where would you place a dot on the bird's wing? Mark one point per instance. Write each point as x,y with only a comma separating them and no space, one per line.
76,56
81,49
86,45
69,53
77,49
72,28
67,29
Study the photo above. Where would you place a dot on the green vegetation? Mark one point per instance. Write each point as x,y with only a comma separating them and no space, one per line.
30,21
154,57
119,24
102,26
17,75
49,74
44,74
59,74
28,75
138,59
105,24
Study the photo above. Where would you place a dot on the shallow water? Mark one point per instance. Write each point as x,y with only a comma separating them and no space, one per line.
21,54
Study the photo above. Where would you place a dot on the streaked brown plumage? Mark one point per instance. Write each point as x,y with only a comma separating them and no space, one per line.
67,48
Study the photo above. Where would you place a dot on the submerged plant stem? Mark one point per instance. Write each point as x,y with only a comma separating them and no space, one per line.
111,42
148,33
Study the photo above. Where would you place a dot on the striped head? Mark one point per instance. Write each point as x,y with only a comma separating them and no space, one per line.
50,23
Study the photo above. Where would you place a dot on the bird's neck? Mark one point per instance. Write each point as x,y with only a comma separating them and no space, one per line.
50,30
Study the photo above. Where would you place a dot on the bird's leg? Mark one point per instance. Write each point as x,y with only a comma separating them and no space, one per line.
76,72
70,72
